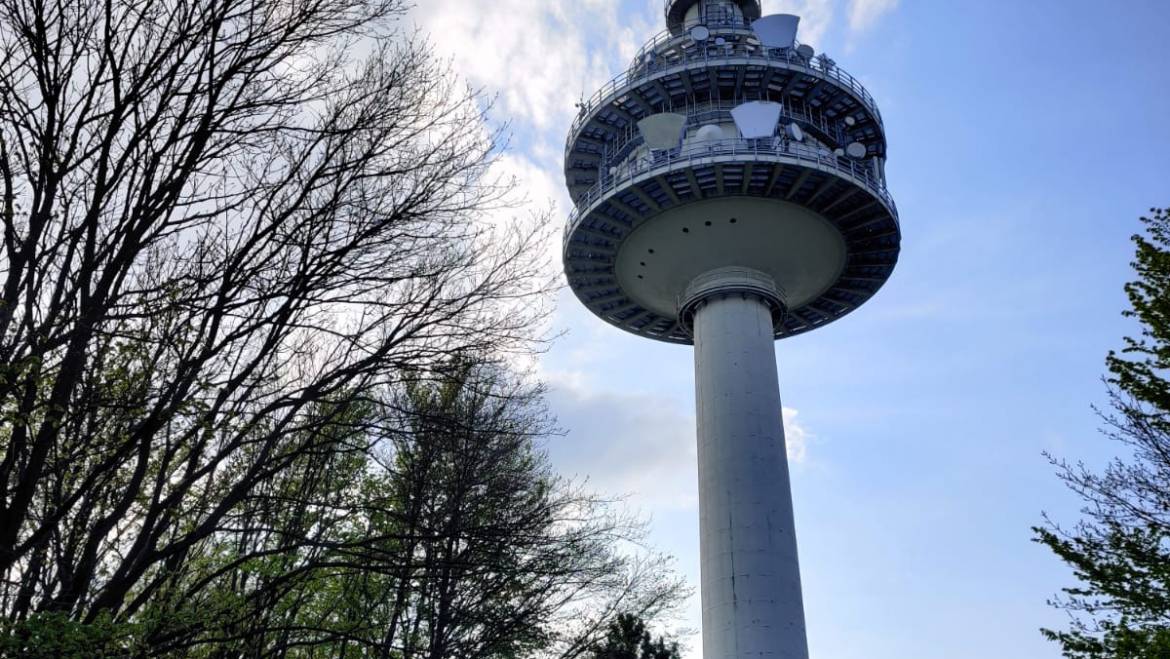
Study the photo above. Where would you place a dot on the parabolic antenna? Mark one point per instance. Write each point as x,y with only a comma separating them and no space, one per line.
795,132
757,118
777,30
663,130
806,51
855,150
840,153
700,33
850,121
709,133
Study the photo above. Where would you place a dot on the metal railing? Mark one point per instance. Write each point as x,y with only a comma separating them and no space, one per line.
702,113
660,41
773,148
819,66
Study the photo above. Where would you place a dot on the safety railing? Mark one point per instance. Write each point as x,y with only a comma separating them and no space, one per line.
819,66
664,39
860,172
720,111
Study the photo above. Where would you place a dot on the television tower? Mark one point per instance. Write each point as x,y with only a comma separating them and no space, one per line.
729,190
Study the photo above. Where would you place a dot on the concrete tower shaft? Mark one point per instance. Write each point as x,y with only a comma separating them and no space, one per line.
752,604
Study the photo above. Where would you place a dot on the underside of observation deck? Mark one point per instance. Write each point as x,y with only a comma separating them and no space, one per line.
866,223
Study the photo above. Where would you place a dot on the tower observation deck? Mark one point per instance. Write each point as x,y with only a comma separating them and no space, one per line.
730,190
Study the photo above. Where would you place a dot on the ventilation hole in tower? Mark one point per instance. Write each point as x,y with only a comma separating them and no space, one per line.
686,230
643,264
708,223
641,277
650,250
733,220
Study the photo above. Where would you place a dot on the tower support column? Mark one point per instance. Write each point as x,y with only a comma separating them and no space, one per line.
751,594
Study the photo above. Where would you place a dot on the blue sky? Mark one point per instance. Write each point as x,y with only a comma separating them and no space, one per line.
1025,140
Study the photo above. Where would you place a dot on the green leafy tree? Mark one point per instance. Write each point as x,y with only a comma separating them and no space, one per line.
628,638
1120,550
428,524
472,546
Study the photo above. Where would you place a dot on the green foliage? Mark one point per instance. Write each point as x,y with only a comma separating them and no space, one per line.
427,524
1120,551
628,638
56,636
1140,369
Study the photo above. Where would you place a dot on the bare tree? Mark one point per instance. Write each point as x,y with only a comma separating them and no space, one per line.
226,225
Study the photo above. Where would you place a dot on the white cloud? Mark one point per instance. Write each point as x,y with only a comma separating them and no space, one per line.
537,188
796,436
863,14
539,56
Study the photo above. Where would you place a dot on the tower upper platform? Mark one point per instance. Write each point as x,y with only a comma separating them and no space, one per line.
727,143
680,13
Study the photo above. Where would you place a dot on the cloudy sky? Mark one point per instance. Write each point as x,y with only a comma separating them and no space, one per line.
1025,140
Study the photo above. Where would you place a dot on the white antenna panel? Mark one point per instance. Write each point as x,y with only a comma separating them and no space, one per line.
662,131
757,118
777,30
709,133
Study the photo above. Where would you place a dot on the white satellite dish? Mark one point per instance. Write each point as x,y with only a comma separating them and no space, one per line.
663,130
806,51
709,133
850,121
840,153
720,41
795,132
757,119
855,150
613,171
777,30
700,33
